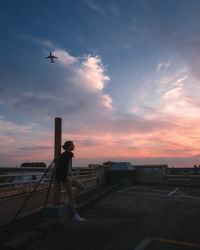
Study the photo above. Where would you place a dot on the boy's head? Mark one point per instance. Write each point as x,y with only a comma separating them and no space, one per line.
68,145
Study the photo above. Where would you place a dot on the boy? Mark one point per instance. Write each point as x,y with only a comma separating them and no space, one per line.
63,174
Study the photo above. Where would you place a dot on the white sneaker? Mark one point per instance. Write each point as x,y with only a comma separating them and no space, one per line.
77,217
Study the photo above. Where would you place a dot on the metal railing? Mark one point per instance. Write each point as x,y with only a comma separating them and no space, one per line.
183,171
19,177
14,181
13,197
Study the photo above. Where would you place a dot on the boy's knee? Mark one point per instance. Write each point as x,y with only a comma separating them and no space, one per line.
82,187
67,186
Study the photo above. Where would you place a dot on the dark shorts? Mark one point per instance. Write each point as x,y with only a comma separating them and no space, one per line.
71,181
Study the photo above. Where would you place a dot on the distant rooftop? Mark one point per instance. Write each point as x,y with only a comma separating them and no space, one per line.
122,166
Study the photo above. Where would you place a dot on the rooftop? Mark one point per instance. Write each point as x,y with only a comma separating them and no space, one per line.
155,217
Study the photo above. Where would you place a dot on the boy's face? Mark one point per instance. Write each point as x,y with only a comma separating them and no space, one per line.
71,147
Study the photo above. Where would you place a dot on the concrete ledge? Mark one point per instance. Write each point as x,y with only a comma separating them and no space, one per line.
21,242
56,211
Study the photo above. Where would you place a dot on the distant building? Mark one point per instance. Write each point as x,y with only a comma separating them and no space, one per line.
94,165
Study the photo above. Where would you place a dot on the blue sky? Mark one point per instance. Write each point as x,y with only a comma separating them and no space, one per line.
126,82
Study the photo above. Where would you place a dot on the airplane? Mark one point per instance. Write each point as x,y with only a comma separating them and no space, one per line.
51,57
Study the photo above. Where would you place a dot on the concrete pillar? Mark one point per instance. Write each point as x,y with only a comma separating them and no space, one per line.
78,173
94,173
98,175
57,152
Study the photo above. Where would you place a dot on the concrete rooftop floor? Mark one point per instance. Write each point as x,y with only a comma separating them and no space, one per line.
124,218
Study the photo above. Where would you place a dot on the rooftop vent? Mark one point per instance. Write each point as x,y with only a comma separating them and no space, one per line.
124,166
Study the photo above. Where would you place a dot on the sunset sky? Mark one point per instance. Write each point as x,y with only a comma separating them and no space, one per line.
126,82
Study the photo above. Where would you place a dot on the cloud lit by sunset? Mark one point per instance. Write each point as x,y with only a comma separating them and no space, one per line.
126,81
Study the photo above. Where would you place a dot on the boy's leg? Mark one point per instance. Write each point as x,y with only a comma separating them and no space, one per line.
70,181
79,186
68,187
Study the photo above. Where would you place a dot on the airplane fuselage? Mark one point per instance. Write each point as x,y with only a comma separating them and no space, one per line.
51,57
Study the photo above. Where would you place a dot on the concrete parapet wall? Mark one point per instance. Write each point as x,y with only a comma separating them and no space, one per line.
150,174
101,174
156,174
13,191
179,180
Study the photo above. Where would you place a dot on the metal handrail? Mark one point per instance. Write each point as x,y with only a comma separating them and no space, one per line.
22,168
78,172
18,175
86,175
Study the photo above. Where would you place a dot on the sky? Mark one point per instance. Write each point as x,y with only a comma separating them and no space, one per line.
126,81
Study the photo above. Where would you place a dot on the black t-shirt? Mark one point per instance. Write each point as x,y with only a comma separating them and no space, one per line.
64,165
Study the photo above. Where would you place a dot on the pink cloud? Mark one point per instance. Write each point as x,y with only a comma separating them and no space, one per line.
10,126
5,140
179,81
168,129
64,57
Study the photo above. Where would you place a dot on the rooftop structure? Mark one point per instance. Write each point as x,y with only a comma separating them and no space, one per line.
122,166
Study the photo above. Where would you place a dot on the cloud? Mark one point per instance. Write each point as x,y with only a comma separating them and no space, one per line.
7,126
74,89
78,92
93,5
163,83
142,94
107,101
109,8
45,42
91,74
172,80
166,80
177,35
5,140
35,148
96,7
193,100
120,32
162,66
179,99
174,93
179,82
64,57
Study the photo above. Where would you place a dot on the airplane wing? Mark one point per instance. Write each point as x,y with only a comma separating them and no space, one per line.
54,57
48,57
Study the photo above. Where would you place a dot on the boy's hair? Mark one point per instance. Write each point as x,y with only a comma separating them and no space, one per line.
66,144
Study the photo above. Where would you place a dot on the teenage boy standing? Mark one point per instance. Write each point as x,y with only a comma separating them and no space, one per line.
63,174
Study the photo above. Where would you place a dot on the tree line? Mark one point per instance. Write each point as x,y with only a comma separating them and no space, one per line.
33,165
